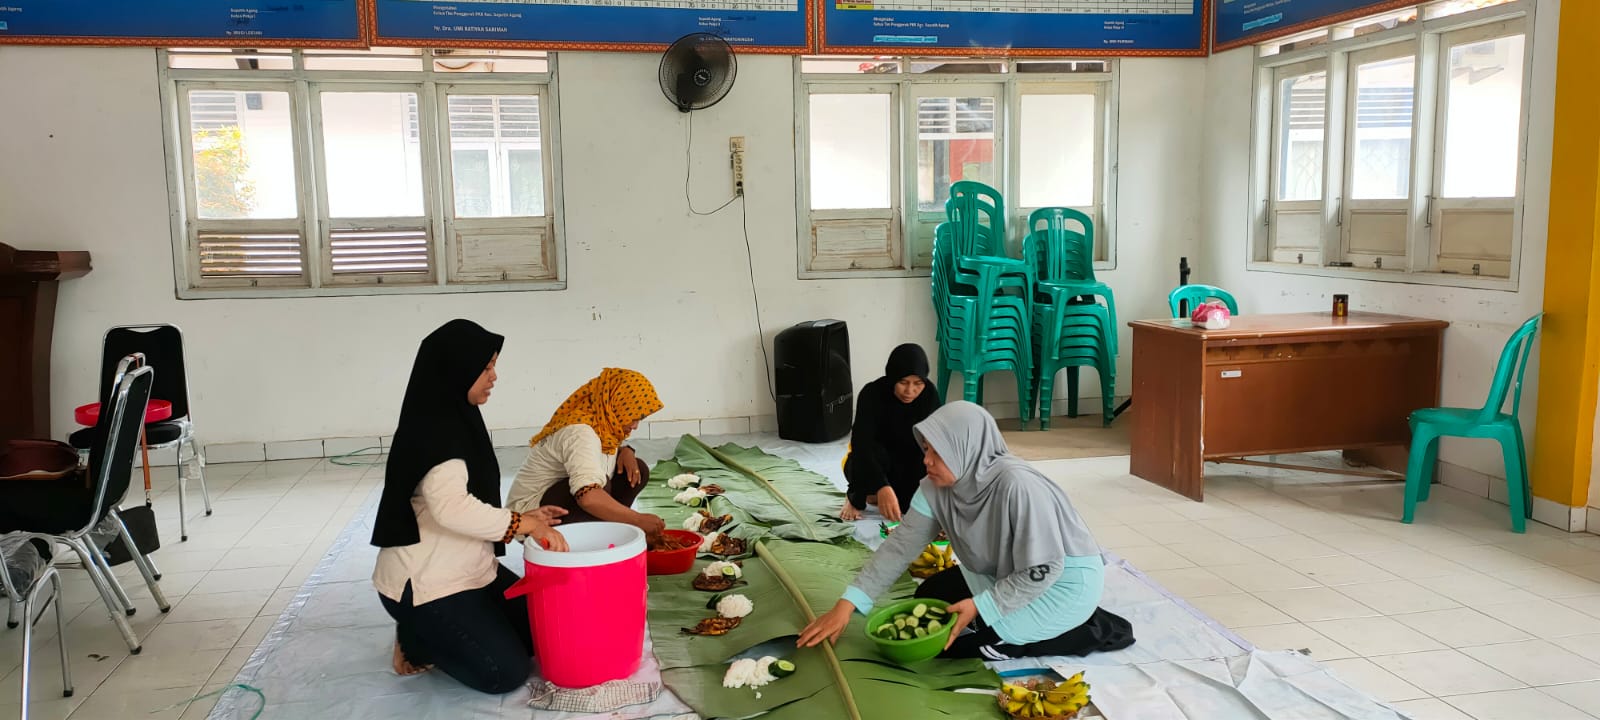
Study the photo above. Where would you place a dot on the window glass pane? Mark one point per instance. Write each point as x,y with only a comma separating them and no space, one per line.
1302,103
955,142
1456,7
1483,118
527,182
243,155
849,65
472,182
497,157
1057,151
1381,164
850,150
373,164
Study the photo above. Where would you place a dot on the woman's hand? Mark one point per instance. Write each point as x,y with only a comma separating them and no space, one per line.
889,504
535,527
550,539
965,611
652,525
628,463
827,627
550,514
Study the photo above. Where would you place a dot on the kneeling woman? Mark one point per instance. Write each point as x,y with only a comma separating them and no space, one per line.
885,465
578,461
440,523
1031,575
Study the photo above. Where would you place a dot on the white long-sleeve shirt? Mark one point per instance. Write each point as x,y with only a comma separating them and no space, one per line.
455,550
571,455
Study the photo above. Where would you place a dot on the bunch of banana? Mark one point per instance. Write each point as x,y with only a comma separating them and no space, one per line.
1045,699
933,560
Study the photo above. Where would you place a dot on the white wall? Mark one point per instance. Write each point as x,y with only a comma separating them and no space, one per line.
1481,320
651,286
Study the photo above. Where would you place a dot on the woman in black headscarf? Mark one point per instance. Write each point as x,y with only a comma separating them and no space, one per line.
885,462
441,526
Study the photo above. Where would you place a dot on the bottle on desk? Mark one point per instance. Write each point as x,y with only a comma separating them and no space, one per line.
1341,306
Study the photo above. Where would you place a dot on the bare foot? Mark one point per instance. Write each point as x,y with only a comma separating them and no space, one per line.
849,513
403,667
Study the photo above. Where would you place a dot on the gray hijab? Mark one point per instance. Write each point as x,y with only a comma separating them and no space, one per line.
1002,515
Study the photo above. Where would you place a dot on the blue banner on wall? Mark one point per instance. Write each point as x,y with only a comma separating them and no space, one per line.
1015,27
1242,22
748,25
245,23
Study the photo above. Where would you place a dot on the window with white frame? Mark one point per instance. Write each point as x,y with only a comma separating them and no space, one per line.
883,139
346,172
1392,146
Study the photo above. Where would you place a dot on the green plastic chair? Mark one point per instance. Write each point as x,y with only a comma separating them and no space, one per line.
980,328
1073,329
1487,422
1197,294
978,214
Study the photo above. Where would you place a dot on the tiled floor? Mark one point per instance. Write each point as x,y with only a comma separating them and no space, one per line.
1452,617
227,586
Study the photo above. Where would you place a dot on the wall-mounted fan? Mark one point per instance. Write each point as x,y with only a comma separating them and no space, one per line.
698,71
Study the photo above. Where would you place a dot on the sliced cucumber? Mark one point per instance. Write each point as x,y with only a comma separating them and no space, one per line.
906,635
902,616
730,572
919,610
782,669
920,632
900,623
914,623
886,627
935,626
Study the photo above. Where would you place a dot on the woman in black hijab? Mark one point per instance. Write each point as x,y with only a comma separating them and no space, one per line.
885,462
441,526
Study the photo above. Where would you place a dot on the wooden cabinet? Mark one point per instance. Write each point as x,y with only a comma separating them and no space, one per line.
28,282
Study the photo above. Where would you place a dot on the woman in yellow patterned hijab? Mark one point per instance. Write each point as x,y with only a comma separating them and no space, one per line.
612,404
578,461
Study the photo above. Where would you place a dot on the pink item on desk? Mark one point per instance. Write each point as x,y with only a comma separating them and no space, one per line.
1212,315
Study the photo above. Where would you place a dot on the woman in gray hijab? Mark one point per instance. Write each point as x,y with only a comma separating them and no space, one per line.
1031,574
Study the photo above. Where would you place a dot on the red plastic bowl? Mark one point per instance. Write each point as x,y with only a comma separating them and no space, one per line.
675,561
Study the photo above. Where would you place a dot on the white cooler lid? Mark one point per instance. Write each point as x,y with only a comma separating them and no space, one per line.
592,543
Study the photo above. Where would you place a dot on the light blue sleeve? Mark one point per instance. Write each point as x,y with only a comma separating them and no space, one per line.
916,530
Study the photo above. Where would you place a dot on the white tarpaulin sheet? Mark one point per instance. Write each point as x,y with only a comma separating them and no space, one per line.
329,656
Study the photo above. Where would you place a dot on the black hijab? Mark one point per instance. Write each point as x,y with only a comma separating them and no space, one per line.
437,423
907,360
882,420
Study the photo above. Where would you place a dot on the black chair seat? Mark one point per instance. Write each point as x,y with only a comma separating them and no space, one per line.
159,433
45,506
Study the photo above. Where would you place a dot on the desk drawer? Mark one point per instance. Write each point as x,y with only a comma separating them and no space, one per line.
1327,395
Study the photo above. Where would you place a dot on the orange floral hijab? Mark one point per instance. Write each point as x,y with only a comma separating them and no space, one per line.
609,404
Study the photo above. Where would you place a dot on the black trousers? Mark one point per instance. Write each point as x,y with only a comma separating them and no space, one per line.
477,636
1103,631
560,494
869,469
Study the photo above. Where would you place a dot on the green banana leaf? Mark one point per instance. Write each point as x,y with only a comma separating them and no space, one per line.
780,495
798,571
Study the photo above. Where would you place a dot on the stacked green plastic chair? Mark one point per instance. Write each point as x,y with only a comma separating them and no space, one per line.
982,328
1074,315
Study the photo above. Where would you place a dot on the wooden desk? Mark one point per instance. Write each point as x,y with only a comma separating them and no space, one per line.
1275,384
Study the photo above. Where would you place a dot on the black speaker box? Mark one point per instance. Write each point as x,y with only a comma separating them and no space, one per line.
815,394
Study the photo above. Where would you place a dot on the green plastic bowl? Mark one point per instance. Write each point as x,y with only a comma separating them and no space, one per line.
906,652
